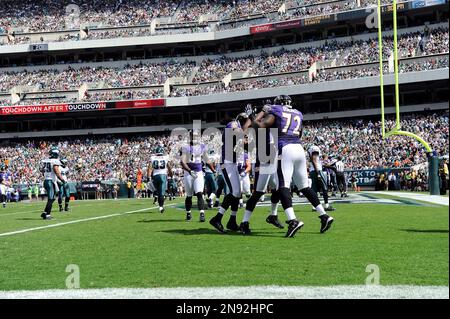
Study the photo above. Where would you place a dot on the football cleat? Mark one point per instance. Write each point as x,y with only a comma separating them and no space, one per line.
61,208
273,219
325,222
329,208
216,223
188,217
245,228
161,210
67,209
202,217
294,227
45,216
232,225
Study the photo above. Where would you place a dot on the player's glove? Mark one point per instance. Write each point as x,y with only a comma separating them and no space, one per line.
193,174
249,111
266,108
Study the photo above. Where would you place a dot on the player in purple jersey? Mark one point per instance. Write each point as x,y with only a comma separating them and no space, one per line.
265,175
194,183
292,160
230,172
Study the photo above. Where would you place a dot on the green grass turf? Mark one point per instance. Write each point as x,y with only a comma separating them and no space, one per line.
147,249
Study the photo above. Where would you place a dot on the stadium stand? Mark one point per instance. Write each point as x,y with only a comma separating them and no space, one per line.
152,65
25,22
278,60
359,141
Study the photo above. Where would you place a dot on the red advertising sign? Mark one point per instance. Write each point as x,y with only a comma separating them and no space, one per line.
79,107
140,104
287,24
261,28
275,26
33,109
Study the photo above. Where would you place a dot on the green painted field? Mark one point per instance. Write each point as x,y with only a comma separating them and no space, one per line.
135,246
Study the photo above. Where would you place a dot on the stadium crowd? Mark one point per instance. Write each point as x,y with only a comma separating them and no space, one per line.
117,158
142,74
218,87
302,78
50,15
345,53
281,61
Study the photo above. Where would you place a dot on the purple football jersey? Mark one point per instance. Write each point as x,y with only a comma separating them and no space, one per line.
288,121
194,153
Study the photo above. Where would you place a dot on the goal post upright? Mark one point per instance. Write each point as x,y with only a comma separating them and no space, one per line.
433,161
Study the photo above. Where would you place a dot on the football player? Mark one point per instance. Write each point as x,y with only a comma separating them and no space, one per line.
64,189
5,181
329,166
341,179
210,180
221,185
172,187
265,175
230,143
194,182
52,174
244,169
157,171
318,178
292,160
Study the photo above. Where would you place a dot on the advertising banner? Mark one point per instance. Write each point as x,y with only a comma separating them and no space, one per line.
367,177
89,186
79,107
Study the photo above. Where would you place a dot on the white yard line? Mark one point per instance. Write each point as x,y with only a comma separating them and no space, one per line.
252,292
26,230
434,199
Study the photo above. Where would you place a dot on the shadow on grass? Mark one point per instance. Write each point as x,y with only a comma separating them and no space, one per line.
432,231
146,212
159,221
211,231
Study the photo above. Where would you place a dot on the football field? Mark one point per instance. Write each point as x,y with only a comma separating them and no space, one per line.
129,244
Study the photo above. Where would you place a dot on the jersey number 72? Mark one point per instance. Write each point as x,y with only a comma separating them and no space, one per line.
296,120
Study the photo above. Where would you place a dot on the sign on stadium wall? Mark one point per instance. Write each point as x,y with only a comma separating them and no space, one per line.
339,16
79,107
368,177
275,26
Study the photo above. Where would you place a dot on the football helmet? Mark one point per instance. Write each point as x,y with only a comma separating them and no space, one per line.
54,152
283,100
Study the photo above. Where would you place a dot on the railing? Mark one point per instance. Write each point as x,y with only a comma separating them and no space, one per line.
34,37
